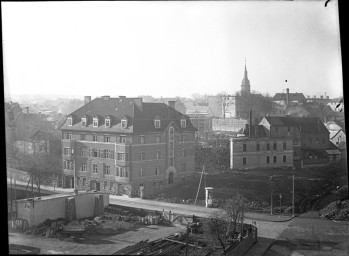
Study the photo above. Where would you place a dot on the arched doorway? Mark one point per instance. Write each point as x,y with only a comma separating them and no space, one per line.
170,178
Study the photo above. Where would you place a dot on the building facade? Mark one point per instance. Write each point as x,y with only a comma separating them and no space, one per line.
125,146
310,137
249,152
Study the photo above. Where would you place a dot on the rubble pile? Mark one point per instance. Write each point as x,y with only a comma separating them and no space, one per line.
338,210
48,228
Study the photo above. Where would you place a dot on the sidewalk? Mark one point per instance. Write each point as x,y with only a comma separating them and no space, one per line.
188,209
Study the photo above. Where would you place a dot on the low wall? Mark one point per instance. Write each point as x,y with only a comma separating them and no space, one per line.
53,207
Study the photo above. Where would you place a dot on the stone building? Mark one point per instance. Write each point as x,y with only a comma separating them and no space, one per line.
310,137
126,146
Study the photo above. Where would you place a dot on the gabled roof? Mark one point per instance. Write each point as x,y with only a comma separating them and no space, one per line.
259,133
292,97
305,124
140,116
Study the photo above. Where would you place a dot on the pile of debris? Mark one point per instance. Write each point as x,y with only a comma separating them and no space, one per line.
338,210
48,228
170,245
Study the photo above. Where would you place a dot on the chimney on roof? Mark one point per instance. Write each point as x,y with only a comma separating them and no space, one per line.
106,97
27,108
87,99
287,96
172,103
122,97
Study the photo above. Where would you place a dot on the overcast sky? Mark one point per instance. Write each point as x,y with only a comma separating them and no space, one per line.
170,48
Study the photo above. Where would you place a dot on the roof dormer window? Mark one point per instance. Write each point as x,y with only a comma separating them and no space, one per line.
95,122
84,121
183,123
157,123
70,120
107,122
124,123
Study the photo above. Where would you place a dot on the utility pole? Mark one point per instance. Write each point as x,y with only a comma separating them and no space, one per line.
15,199
203,168
11,197
293,196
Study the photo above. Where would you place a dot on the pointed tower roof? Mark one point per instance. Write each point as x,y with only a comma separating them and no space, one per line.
245,84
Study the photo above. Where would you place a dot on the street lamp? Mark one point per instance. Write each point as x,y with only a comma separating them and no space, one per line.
271,179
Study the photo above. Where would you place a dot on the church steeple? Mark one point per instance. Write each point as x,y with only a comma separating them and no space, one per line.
245,85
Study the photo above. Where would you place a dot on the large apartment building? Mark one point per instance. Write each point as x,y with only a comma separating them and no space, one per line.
126,146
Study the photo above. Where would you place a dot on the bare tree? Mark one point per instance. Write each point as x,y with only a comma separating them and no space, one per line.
216,225
233,209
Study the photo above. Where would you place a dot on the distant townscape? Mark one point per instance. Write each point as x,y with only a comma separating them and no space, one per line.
236,152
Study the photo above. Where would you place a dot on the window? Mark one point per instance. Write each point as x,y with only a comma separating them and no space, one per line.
141,172
284,145
123,123
83,181
101,153
274,146
244,148
141,156
284,159
171,132
83,167
274,159
107,122
106,169
184,153
64,165
183,167
126,156
94,152
94,168
158,139
123,139
117,171
85,152
83,121
157,170
121,171
68,136
94,138
121,156
268,159
157,123
257,149
158,154
126,172
183,138
66,151
268,146
244,160
105,185
95,122
106,138
183,123
107,153
142,139
82,136
171,161
111,185
70,121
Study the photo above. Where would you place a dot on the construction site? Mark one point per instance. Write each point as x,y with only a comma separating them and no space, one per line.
74,222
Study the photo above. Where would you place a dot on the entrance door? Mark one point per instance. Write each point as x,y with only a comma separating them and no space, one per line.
98,186
170,178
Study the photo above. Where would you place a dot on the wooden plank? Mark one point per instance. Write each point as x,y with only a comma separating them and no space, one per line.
175,241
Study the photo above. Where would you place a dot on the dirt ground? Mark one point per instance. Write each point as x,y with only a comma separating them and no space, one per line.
94,244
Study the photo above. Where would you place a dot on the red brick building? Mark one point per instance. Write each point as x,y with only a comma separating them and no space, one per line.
126,146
